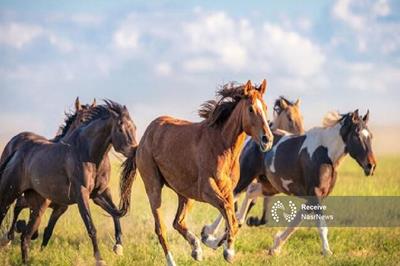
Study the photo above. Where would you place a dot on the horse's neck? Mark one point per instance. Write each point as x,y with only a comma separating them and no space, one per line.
95,140
232,133
331,139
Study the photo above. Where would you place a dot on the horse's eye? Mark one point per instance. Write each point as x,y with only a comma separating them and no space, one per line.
251,109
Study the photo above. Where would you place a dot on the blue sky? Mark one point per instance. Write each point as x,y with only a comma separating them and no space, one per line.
167,57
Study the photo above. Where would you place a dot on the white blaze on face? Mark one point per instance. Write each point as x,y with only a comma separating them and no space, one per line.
262,111
365,133
286,183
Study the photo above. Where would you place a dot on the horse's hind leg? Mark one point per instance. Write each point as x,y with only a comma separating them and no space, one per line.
184,206
106,197
38,206
19,206
9,192
55,215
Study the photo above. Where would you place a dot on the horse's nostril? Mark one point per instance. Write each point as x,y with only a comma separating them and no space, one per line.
264,139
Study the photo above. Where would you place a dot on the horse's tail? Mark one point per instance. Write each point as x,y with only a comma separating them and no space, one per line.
127,177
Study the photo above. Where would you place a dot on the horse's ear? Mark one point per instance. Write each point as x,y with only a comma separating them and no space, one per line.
297,103
366,117
77,104
355,116
93,103
263,87
283,104
247,88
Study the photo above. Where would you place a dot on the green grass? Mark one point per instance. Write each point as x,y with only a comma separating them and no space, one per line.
70,244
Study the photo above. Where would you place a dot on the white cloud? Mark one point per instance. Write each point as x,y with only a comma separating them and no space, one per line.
163,69
370,77
18,34
364,28
220,36
381,8
293,53
62,44
126,37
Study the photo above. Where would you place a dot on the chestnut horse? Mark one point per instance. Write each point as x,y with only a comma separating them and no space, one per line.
200,161
287,116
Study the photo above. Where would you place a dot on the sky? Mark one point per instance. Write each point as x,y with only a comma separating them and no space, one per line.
168,57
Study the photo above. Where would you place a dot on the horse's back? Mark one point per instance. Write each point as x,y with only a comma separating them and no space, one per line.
19,141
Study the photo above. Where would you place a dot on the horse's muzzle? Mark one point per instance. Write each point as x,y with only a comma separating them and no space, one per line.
265,143
369,169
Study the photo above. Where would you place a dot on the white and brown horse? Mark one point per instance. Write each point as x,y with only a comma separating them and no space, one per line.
306,165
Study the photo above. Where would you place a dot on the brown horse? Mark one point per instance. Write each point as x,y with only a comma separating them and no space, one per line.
200,161
287,116
72,121
64,172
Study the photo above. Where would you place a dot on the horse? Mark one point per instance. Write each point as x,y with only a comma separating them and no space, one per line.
64,172
287,116
71,122
306,165
200,161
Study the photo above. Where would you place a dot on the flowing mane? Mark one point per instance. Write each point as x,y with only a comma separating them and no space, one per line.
216,112
331,119
68,121
105,110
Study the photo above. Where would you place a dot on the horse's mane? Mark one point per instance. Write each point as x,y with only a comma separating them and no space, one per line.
64,128
277,104
332,118
104,111
216,112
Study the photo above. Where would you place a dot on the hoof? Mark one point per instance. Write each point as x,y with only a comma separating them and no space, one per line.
229,255
254,221
170,260
327,253
101,263
118,249
210,241
274,252
35,235
20,226
4,241
197,254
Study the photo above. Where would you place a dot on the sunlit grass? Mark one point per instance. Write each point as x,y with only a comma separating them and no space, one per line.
70,244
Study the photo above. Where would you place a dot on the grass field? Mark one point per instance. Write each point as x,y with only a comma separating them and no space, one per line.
70,244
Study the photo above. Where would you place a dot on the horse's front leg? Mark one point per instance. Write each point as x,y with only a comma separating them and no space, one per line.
83,205
106,198
221,196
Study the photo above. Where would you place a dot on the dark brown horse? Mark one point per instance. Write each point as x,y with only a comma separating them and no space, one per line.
287,116
200,161
64,172
72,121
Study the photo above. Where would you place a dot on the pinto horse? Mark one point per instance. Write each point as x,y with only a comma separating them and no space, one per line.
306,165
287,116
64,172
200,161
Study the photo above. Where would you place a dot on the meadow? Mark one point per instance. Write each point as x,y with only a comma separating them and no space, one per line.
70,244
